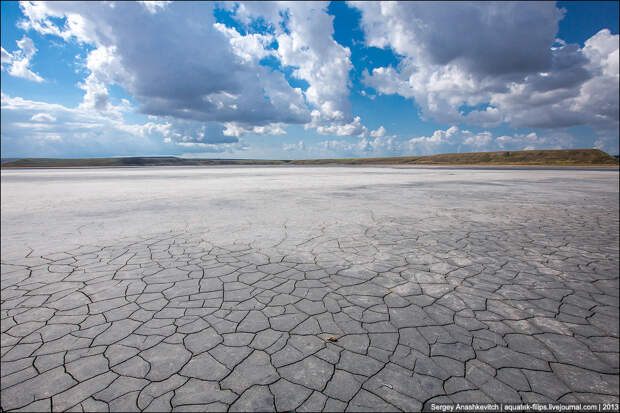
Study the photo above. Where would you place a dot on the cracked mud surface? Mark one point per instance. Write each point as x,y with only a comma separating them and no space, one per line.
484,286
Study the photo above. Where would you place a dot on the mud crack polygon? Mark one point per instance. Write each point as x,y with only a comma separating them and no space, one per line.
445,310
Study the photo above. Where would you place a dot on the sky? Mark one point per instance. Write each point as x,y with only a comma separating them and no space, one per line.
299,80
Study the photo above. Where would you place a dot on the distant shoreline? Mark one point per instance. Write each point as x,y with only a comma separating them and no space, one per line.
588,158
430,166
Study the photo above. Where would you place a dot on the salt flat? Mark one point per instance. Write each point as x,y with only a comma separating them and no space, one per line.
180,287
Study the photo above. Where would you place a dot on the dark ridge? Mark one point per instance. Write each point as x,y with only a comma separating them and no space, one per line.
559,157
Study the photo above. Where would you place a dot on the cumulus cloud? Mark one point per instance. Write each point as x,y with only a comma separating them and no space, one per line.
378,133
251,47
478,140
354,128
505,56
207,84
449,140
458,139
581,89
474,34
425,145
104,67
18,62
383,146
321,61
304,34
193,71
365,147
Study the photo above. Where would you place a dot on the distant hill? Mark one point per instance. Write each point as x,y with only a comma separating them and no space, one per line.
552,157
131,161
561,157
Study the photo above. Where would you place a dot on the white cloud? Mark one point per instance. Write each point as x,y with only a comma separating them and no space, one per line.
598,97
384,146
291,147
478,140
506,56
378,133
43,117
426,145
83,131
487,118
582,90
105,68
374,147
304,33
171,72
364,93
527,141
76,26
455,138
6,57
202,83
47,129
474,35
234,129
18,62
251,47
212,148
154,6
338,147
34,126
96,96
321,61
354,128
450,140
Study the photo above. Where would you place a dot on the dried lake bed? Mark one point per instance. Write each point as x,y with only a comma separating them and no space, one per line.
220,287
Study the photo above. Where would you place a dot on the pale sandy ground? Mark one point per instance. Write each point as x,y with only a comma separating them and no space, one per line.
57,209
218,289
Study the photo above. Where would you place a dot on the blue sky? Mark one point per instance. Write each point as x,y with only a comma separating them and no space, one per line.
306,80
